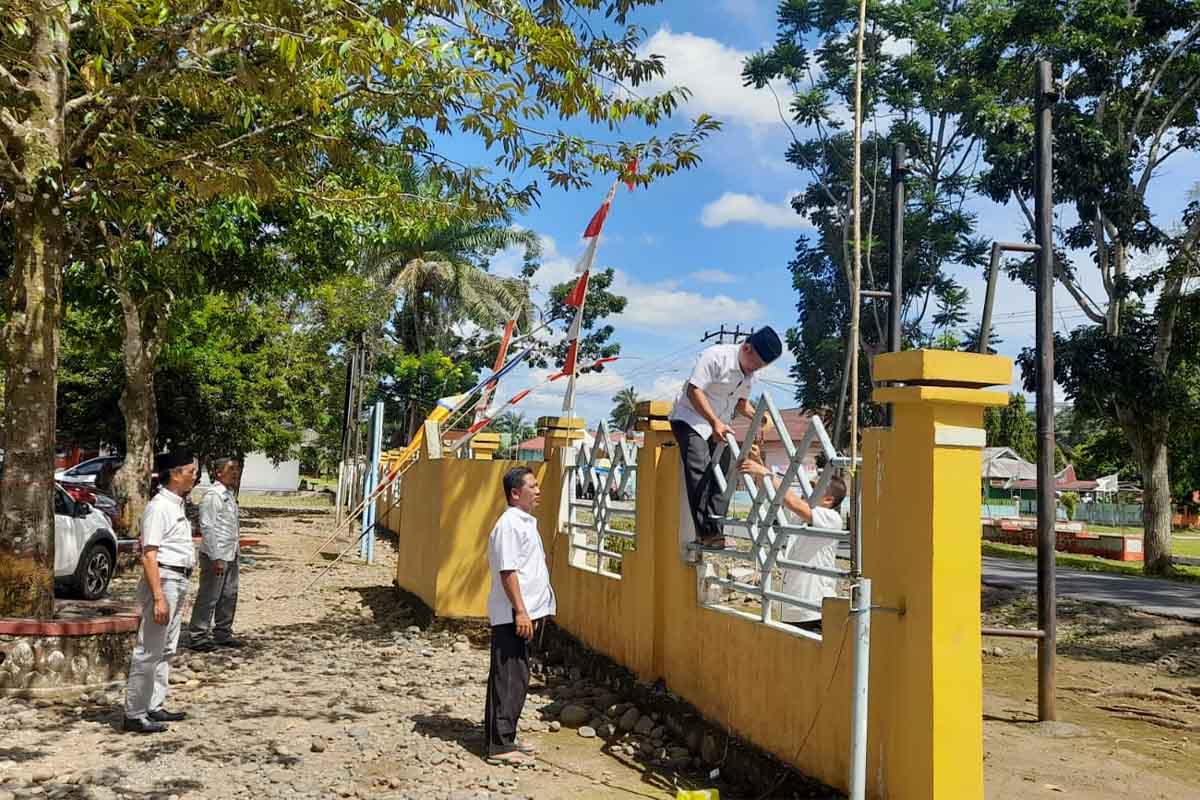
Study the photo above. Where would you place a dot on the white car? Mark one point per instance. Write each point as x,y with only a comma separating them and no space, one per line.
85,472
85,547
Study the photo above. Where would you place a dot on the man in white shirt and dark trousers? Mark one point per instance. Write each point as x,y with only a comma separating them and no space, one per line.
520,599
719,387
168,558
815,551
211,625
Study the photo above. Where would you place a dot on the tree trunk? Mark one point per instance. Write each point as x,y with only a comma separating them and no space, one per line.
34,302
1156,508
139,352
31,342
1149,441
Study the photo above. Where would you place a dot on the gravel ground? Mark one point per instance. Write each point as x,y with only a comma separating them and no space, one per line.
338,693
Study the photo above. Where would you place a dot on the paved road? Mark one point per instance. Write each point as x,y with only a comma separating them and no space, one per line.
1154,596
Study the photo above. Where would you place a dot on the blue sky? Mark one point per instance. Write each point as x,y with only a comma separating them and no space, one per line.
711,246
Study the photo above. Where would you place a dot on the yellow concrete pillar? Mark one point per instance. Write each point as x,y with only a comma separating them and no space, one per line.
484,446
655,504
920,492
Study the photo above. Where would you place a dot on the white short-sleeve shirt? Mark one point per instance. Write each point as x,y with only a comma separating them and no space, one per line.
166,526
516,545
815,551
718,374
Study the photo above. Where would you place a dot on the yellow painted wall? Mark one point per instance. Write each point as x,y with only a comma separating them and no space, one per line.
787,692
447,510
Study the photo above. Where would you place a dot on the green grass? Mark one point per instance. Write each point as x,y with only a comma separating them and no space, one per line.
274,501
1183,574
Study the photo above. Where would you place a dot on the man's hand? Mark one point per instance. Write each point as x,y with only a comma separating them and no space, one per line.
218,567
161,612
720,430
754,468
524,626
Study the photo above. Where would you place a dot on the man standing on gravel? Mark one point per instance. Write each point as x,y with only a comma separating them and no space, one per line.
219,535
520,599
168,558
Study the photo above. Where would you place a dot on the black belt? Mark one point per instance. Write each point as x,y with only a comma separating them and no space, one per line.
184,571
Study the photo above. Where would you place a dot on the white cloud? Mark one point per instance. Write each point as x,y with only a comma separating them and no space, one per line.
712,276
737,207
664,306
712,71
654,306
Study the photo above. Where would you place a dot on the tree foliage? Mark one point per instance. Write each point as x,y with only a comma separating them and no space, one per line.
624,413
907,100
1012,426
1128,77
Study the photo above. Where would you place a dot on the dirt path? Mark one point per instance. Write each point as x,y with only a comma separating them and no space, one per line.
1129,705
336,695
340,694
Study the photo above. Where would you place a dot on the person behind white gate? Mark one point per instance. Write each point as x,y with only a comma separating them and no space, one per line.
814,551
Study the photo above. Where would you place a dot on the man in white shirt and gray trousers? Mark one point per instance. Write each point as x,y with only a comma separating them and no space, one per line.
520,599
211,625
718,388
168,558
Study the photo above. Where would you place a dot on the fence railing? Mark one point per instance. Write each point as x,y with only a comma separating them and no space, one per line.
767,528
601,483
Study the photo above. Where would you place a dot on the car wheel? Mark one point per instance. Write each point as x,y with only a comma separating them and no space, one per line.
94,572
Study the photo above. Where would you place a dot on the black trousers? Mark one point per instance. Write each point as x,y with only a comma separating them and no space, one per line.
508,683
704,495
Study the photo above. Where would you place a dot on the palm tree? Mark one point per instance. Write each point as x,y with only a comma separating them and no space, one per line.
437,265
624,414
517,427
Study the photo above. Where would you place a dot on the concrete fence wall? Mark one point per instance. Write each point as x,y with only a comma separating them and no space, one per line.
787,692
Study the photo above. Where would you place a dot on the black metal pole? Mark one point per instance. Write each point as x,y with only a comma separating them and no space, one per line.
899,155
1046,511
896,260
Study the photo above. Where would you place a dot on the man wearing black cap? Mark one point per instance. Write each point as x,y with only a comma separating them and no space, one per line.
168,558
719,387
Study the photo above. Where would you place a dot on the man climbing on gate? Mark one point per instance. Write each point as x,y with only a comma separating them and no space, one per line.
719,387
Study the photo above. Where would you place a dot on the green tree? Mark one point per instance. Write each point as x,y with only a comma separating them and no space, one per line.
1012,426
595,339
514,426
1129,82
410,385
438,268
118,120
624,413
906,99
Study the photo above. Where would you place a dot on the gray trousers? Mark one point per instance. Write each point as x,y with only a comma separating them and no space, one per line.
216,602
704,496
150,666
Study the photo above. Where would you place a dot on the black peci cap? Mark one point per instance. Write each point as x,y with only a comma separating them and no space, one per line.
174,458
765,342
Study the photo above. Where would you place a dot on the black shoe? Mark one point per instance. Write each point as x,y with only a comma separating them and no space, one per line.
161,715
202,647
137,725
230,642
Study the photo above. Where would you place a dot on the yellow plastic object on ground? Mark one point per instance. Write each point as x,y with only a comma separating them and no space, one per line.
698,794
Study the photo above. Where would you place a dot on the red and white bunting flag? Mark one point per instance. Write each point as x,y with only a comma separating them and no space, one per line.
485,397
578,292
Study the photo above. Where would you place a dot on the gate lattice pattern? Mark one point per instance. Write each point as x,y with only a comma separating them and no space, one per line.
600,496
766,526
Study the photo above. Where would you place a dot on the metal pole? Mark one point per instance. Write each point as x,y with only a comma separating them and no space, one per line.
899,156
1047,516
985,327
860,608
